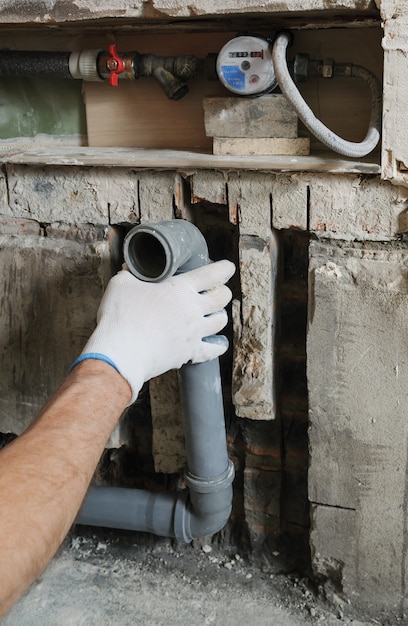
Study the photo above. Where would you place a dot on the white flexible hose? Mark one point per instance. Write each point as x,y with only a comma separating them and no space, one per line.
324,134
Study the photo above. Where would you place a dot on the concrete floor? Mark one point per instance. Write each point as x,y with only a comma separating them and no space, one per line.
100,579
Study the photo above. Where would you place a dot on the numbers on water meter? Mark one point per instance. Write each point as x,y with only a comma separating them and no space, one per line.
244,66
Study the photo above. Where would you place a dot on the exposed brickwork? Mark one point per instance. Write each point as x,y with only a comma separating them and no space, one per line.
270,457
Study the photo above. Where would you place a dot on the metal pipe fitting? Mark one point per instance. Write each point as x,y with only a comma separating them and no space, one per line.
172,86
303,67
99,65
169,72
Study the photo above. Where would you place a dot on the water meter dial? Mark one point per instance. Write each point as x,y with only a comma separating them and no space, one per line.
244,66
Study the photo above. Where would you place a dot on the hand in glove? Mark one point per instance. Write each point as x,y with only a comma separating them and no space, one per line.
145,329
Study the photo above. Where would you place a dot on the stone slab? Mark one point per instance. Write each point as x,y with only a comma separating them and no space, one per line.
183,160
261,146
75,196
209,186
156,194
267,116
254,321
249,198
290,202
55,11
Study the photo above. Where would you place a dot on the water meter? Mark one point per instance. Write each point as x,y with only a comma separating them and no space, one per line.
244,66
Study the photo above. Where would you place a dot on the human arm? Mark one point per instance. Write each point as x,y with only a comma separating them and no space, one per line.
45,473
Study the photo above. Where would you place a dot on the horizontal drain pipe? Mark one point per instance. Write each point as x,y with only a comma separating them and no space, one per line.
153,252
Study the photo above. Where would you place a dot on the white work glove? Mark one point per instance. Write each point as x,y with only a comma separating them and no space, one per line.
145,329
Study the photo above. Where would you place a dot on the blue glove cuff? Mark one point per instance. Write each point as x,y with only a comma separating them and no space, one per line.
93,355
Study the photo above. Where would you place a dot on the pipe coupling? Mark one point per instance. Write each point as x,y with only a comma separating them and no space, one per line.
207,508
84,65
202,485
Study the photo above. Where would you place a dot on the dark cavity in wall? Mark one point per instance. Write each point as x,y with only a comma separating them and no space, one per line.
293,399
270,517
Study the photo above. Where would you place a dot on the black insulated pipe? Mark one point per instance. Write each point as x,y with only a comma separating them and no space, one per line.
30,64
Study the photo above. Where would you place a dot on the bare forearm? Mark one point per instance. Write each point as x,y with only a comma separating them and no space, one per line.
45,473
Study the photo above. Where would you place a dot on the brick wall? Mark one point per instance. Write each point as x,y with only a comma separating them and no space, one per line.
61,266
54,271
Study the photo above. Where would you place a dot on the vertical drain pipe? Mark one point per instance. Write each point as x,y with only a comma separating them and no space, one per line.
209,472
154,252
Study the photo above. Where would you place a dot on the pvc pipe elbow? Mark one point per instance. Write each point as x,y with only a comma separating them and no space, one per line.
207,509
211,502
154,252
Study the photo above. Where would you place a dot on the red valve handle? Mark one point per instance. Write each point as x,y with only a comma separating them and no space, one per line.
117,65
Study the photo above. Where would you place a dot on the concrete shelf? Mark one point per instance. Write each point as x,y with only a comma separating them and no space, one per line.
184,160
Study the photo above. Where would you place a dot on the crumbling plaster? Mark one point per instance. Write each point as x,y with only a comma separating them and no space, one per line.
49,198
357,381
54,11
357,318
395,121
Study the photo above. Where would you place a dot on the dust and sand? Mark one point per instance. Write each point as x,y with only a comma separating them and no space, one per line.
102,579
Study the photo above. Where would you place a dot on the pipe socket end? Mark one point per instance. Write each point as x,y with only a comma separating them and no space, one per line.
147,254
212,485
156,251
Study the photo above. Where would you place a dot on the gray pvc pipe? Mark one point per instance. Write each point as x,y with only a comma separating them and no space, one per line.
203,419
154,252
130,509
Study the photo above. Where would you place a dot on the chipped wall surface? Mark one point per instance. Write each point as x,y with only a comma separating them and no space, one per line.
357,377
40,333
343,207
47,194
395,121
51,11
355,354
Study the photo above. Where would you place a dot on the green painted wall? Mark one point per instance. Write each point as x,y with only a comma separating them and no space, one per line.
32,106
